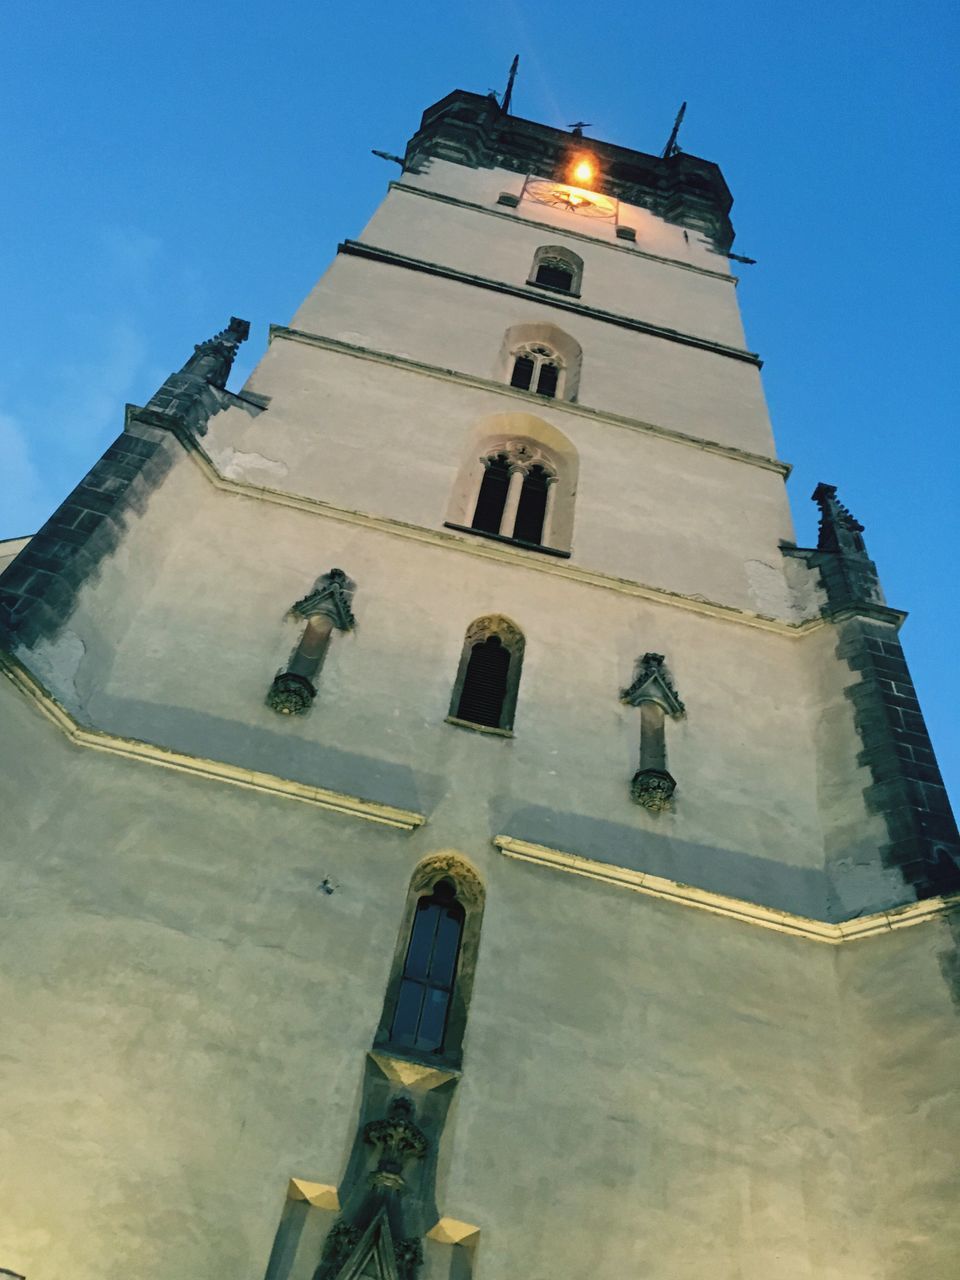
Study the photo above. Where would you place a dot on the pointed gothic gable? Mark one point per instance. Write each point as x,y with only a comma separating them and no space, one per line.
373,1257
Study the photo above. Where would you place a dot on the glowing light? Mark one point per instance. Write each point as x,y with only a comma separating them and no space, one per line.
584,171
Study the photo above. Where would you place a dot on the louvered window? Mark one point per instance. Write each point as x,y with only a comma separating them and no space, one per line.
547,382
485,683
423,1000
532,508
522,375
492,496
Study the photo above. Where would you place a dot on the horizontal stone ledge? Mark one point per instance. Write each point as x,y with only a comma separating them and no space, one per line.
686,895
215,770
358,249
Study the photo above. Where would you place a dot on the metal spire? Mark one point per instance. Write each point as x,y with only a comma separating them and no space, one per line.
672,148
508,92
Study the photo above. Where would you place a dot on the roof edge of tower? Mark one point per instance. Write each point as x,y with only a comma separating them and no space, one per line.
471,129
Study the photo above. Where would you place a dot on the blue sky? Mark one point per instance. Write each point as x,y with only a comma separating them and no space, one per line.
169,165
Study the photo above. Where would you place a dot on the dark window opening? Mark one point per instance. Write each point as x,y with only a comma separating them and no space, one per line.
554,276
485,684
532,507
423,1001
493,496
522,375
547,382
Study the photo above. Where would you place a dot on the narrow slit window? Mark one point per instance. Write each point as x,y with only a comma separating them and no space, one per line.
426,985
493,495
532,508
547,381
522,376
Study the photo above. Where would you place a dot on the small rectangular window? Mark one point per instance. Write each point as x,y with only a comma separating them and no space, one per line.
522,374
547,382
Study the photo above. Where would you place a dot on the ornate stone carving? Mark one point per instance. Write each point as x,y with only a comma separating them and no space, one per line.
399,1141
652,683
213,359
290,694
839,530
520,455
448,866
331,597
496,625
409,1256
653,788
341,1240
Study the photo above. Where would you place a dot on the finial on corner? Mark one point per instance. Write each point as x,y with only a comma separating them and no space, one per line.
839,530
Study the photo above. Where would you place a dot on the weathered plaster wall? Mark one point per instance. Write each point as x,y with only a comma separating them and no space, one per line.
392,309
615,278
645,1087
646,508
483,187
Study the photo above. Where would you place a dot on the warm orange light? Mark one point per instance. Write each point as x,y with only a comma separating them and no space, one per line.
584,172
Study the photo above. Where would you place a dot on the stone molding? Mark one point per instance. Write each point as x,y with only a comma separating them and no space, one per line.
687,895
216,770
509,552
562,302
568,233
515,393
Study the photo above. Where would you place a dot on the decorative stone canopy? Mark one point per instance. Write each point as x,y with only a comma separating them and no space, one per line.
652,683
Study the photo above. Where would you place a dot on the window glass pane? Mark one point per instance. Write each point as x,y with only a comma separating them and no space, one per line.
485,683
547,382
556,277
522,374
492,497
433,1019
406,1018
421,939
532,508
446,946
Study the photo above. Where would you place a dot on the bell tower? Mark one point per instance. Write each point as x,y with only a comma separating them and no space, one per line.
475,839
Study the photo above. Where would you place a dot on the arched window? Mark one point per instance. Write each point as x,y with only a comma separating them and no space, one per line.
426,984
488,678
428,993
536,368
516,494
558,268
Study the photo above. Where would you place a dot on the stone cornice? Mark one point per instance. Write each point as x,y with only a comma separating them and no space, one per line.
216,770
530,397
358,249
569,233
686,895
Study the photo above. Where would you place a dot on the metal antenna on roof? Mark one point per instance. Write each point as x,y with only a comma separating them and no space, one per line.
671,149
578,127
508,92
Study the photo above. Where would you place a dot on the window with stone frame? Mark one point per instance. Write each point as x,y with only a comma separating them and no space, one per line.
558,268
488,677
517,494
428,993
538,368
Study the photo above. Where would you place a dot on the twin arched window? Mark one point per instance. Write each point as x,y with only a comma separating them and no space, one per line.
516,494
541,358
536,368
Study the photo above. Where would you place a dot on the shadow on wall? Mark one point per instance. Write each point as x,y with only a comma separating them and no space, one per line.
316,764
950,959
805,891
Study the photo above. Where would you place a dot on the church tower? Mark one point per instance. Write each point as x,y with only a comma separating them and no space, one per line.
451,830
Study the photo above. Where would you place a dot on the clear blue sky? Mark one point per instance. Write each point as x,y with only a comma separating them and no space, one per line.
167,165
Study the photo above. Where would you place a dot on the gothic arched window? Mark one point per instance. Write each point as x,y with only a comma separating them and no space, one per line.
488,678
556,267
537,368
516,494
426,984
425,1010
